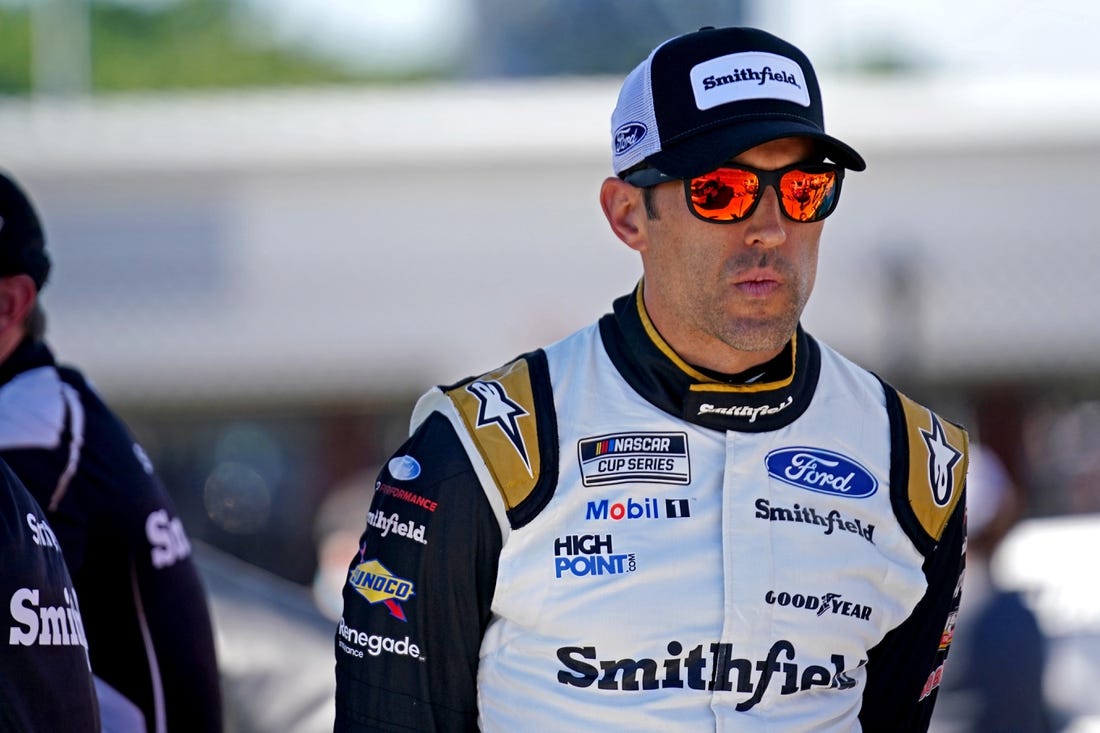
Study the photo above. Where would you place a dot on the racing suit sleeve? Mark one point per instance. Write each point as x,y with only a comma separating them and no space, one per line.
417,599
904,669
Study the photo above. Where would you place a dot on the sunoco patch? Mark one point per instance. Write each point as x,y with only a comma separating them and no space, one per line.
620,458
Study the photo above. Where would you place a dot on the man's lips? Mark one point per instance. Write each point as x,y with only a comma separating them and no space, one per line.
758,284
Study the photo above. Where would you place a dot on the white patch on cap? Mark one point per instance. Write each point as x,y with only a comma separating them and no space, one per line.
752,75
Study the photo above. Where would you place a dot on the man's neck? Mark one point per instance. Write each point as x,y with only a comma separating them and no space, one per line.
776,368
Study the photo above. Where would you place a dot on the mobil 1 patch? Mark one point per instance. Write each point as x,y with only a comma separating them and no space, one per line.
622,458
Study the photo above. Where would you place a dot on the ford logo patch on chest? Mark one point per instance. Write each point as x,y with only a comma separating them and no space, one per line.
822,471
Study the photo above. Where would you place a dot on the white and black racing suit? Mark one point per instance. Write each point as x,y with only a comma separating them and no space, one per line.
599,536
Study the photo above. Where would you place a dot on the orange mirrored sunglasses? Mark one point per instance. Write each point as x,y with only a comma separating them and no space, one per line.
807,191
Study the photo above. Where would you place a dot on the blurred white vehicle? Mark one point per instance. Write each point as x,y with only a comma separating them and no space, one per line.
1055,563
275,648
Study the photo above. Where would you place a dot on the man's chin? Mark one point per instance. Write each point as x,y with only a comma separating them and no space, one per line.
761,335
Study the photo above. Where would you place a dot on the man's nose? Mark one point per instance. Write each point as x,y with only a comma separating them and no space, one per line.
767,226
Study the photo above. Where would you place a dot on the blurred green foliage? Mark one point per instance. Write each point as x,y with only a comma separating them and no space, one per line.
188,44
15,50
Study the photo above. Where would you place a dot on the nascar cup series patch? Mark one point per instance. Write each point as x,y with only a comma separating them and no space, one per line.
619,458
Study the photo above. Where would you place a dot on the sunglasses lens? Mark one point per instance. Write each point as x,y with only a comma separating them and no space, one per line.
726,194
809,195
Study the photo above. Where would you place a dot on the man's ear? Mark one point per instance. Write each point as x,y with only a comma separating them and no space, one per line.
17,297
624,207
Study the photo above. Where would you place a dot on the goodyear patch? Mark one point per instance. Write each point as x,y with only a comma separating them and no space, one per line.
619,458
377,584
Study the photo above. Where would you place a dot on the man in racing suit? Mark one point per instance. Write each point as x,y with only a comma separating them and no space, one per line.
144,609
691,515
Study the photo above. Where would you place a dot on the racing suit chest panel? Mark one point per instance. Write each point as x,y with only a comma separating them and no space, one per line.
675,561
817,568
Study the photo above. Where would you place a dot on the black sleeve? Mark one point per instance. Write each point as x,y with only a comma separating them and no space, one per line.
904,670
417,599
136,538
173,601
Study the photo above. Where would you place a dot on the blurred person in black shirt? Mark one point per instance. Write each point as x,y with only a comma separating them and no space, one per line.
45,678
144,609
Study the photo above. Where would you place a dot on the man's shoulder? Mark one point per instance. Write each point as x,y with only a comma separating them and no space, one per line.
508,424
931,458
48,407
838,357
32,409
103,430
930,455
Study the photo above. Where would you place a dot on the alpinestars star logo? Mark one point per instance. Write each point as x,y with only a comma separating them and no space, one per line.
942,457
497,408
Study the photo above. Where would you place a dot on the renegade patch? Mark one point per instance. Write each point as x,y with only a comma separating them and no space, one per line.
620,458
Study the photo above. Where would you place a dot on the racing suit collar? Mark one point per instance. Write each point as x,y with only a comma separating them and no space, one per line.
662,377
29,354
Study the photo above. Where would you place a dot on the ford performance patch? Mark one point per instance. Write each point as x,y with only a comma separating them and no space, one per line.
620,458
822,471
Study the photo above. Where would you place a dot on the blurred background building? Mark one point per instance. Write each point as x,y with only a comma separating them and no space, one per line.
274,223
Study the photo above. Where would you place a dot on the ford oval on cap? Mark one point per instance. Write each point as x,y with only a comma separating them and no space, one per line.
823,471
629,135
404,468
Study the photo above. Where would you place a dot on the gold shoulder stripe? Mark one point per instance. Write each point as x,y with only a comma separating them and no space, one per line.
498,410
937,465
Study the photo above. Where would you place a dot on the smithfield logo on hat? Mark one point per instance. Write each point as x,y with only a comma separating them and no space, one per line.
737,77
629,135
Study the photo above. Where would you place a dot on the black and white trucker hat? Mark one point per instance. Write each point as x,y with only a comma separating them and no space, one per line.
705,97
